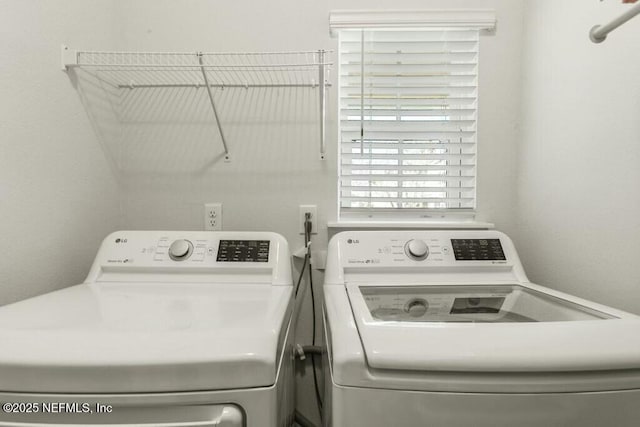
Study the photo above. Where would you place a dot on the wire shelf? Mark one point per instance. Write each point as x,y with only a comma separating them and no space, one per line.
138,70
157,69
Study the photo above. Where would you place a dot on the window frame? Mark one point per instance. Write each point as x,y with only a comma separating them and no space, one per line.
406,20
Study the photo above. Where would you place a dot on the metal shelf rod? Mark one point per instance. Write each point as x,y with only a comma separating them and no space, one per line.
598,34
213,106
195,66
189,54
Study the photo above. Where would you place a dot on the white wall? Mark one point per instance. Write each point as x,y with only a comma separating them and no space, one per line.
565,185
169,170
58,194
164,162
579,200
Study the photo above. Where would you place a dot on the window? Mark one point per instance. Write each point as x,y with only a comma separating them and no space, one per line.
408,115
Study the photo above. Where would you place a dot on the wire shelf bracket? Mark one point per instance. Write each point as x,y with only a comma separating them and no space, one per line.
134,70
213,107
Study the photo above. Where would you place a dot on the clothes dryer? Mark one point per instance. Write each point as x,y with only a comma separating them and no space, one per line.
170,328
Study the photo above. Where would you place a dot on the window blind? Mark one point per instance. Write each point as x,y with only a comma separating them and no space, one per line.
408,110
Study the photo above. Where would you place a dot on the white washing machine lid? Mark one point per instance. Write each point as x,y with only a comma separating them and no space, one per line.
144,337
490,328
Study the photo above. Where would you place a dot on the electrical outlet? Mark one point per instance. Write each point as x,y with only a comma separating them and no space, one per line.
213,216
313,210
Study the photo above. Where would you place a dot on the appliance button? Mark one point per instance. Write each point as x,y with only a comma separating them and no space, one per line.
416,249
180,250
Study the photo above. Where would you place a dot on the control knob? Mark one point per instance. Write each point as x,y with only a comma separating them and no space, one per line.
416,307
180,250
416,249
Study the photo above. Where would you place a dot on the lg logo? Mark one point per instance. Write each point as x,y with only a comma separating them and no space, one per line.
119,240
353,241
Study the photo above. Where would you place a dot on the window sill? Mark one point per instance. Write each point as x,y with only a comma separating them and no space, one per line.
422,225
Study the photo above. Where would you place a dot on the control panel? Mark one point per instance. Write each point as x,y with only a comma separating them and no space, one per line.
417,257
186,251
478,250
243,251
129,249
193,256
423,251
452,248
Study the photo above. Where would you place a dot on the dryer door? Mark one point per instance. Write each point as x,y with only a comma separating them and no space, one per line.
58,414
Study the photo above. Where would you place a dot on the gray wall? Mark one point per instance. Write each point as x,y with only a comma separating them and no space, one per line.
579,200
58,193
564,185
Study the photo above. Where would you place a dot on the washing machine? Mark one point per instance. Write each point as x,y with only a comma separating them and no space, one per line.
169,329
443,329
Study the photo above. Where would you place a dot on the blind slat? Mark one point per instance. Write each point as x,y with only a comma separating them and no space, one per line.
412,199
354,175
444,98
449,157
423,86
406,189
467,101
400,127
399,143
349,167
459,113
454,136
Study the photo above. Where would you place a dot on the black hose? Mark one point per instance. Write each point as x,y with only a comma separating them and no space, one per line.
313,342
307,238
304,266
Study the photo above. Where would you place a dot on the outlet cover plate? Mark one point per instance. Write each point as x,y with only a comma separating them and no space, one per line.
213,216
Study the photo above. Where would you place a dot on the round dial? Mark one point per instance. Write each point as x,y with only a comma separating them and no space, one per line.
180,250
416,307
417,249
